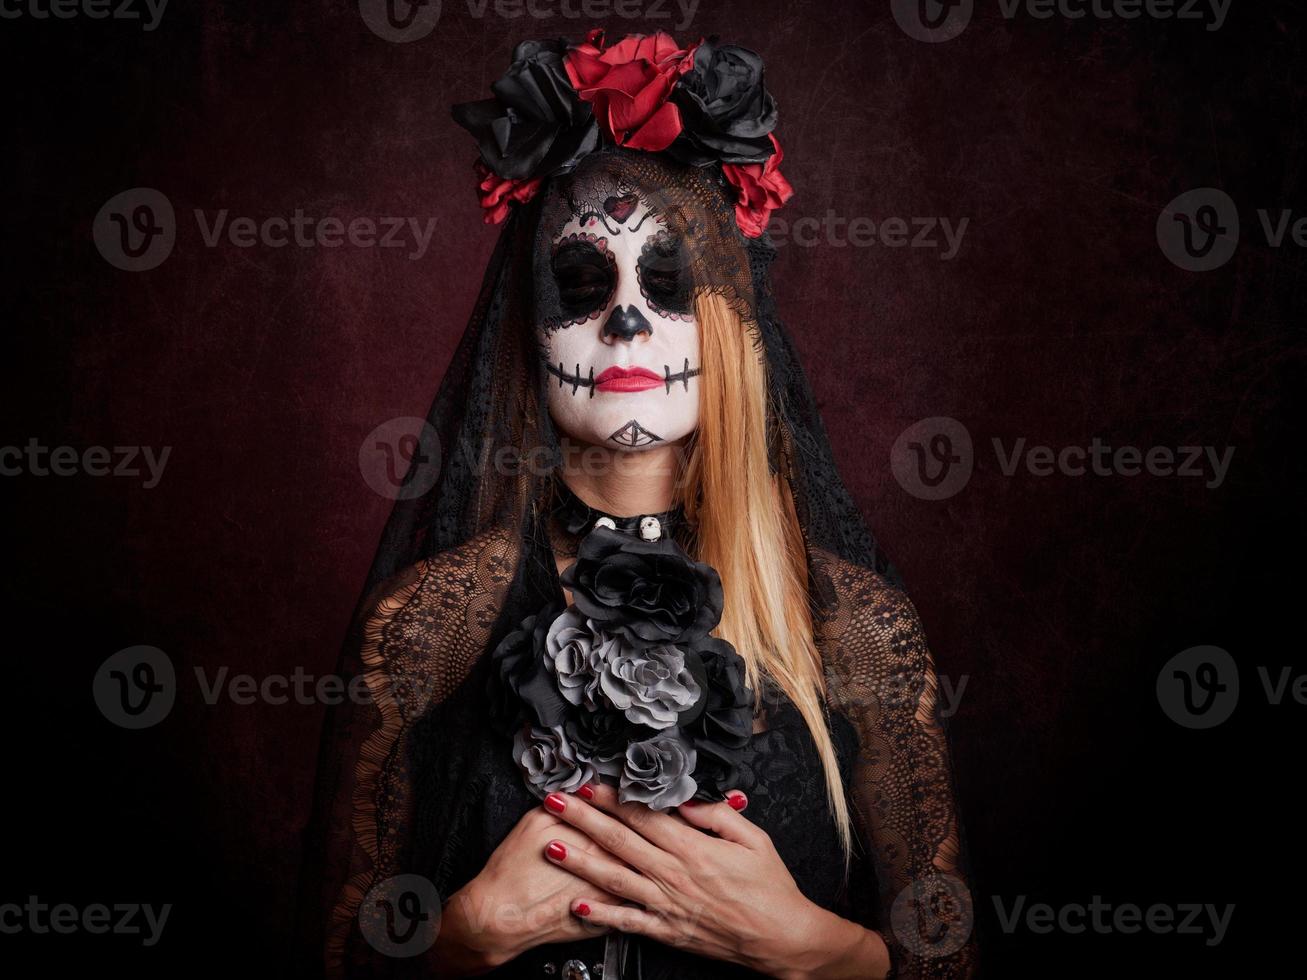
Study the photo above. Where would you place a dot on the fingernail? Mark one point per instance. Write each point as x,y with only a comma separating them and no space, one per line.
555,803
737,800
690,803
556,850
585,792
582,908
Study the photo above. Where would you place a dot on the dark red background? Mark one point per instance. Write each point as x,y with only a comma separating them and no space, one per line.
1059,320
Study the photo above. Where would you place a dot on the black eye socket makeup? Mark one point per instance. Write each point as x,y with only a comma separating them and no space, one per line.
585,273
665,279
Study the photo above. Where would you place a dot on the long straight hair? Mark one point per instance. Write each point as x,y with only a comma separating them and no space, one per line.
748,530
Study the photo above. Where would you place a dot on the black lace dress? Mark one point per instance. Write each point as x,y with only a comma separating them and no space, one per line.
405,802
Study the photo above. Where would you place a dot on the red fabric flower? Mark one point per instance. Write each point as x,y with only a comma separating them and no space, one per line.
629,84
762,189
496,193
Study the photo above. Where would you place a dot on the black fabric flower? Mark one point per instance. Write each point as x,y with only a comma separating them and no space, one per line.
601,737
726,111
549,762
657,771
650,592
722,730
536,125
521,687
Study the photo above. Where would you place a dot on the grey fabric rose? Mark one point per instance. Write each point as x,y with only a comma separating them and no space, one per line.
549,761
575,652
657,771
651,687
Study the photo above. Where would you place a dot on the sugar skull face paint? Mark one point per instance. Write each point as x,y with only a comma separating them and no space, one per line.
616,324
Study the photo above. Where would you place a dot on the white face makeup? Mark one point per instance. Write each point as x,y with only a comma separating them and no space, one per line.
623,366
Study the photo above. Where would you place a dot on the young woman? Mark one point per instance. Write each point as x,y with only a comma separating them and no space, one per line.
624,379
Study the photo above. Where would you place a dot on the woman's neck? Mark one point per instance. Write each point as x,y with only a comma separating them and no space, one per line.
622,483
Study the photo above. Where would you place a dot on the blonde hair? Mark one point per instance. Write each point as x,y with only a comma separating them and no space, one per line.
748,530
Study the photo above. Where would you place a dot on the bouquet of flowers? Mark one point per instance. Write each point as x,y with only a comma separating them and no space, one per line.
626,682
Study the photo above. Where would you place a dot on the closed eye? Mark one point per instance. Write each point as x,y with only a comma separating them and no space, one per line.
585,275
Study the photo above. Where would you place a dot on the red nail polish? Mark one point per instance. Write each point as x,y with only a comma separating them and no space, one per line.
555,803
738,801
557,850
582,908
585,792
690,803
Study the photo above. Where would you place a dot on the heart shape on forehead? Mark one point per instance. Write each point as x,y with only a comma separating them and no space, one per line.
621,208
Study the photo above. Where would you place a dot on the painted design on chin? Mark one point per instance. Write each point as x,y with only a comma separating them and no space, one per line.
633,435
573,378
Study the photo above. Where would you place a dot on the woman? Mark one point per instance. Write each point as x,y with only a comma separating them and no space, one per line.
624,378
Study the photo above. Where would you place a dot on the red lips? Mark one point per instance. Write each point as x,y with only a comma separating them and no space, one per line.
627,379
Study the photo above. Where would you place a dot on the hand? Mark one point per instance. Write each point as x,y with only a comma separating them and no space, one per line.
728,897
517,901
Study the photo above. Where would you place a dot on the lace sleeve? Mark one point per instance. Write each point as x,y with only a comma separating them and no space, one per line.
414,647
881,676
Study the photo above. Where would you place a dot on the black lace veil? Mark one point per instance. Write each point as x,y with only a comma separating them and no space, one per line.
467,556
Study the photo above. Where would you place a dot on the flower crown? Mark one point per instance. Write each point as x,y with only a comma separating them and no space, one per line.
705,105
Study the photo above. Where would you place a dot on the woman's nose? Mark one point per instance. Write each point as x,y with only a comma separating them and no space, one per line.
625,323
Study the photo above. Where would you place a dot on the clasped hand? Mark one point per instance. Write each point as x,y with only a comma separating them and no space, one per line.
725,894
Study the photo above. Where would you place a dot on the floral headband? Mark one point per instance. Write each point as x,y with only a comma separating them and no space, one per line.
705,105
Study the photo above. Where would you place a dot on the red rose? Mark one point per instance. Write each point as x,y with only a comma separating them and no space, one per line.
762,189
496,192
629,84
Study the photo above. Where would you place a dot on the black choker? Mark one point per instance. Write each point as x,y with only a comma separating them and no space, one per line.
578,517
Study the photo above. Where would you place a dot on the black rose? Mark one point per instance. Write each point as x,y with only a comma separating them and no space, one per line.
601,738
521,687
723,729
649,592
726,111
536,125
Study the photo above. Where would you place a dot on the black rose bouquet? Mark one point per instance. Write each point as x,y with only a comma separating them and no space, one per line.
626,683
